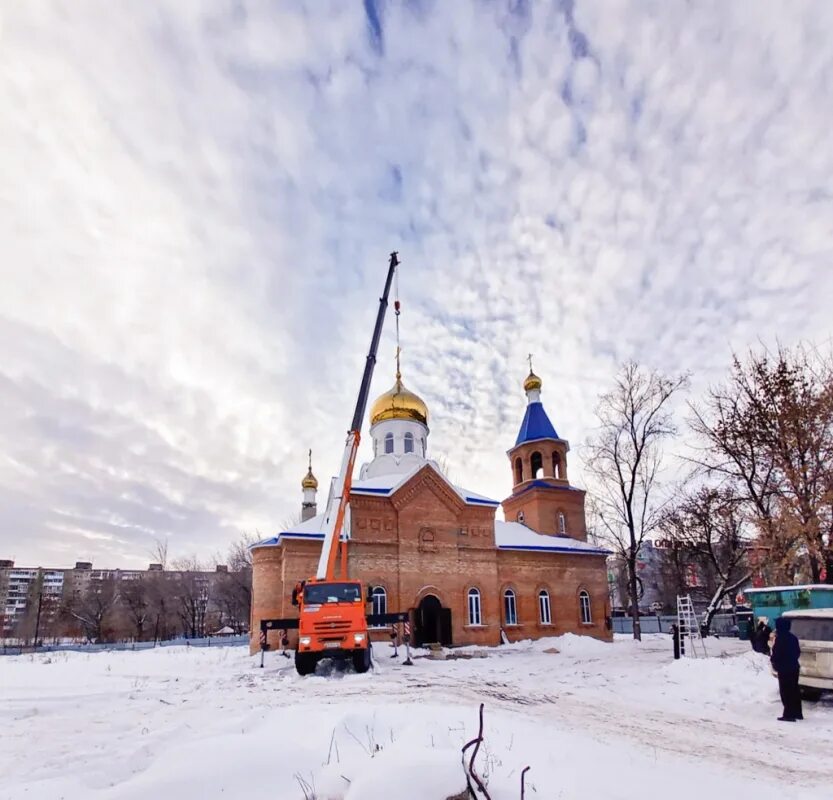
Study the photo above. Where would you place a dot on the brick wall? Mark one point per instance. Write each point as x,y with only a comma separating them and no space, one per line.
426,540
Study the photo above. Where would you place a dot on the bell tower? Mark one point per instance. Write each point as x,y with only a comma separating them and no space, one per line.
542,497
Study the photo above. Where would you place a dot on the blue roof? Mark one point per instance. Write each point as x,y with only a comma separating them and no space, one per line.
536,425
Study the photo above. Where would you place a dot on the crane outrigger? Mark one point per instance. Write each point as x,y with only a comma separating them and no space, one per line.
332,621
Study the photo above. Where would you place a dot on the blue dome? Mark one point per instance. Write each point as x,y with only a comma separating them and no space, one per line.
536,425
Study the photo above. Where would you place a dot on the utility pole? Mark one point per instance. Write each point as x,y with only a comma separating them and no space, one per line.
37,619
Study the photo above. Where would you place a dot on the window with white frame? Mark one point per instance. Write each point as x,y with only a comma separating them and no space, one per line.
409,442
475,617
584,604
544,609
388,442
520,516
562,522
379,599
510,609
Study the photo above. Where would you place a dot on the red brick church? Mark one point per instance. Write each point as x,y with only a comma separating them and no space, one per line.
437,550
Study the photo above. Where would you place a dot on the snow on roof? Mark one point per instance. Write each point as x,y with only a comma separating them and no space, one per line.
308,529
386,485
823,613
827,586
515,536
539,484
508,536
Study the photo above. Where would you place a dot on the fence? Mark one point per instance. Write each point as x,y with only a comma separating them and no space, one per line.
78,647
722,624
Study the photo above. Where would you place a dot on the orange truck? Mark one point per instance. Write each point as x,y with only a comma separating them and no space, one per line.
332,620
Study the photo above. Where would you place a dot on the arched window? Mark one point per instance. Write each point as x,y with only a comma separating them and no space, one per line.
510,610
544,609
584,604
409,442
536,463
379,598
562,523
556,465
388,442
519,470
521,517
474,607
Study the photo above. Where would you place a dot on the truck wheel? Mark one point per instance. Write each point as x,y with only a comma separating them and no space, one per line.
305,663
810,693
361,660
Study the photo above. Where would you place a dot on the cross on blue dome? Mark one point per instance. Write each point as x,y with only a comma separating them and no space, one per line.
536,424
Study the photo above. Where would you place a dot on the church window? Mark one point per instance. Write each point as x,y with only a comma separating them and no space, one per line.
510,609
556,466
409,442
544,607
536,464
474,607
379,598
521,517
388,442
562,523
519,470
584,604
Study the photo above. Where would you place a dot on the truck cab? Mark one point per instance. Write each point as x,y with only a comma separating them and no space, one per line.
331,624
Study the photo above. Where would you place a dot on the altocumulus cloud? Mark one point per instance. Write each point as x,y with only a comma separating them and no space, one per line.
197,202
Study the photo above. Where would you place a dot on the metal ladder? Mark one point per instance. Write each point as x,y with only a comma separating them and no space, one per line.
689,628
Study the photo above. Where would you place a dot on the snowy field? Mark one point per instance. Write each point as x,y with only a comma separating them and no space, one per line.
591,721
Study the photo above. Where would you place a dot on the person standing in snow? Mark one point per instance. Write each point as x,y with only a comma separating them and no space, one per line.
784,659
762,635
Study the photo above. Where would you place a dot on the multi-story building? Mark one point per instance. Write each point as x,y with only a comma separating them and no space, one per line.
33,597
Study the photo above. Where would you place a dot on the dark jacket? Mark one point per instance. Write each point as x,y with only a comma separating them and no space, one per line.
785,651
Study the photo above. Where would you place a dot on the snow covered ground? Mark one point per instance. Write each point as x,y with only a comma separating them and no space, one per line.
592,721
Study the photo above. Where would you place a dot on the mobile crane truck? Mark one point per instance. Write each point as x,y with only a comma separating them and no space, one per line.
332,620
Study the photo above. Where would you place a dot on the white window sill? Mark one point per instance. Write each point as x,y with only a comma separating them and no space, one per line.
475,625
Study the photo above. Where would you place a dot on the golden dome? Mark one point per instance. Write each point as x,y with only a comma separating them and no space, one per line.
310,481
532,382
398,403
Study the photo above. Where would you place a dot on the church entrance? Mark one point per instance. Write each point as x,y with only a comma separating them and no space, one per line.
432,622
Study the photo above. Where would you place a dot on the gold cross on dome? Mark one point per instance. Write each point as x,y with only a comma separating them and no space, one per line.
529,358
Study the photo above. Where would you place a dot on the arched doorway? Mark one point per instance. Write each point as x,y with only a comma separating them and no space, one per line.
432,622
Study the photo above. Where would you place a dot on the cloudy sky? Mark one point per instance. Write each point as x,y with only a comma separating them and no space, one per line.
197,202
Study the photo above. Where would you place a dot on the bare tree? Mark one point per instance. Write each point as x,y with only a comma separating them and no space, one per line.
769,430
93,608
134,599
192,595
705,531
232,593
161,604
624,458
159,552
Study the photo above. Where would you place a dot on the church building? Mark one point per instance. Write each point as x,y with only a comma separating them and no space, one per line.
437,550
